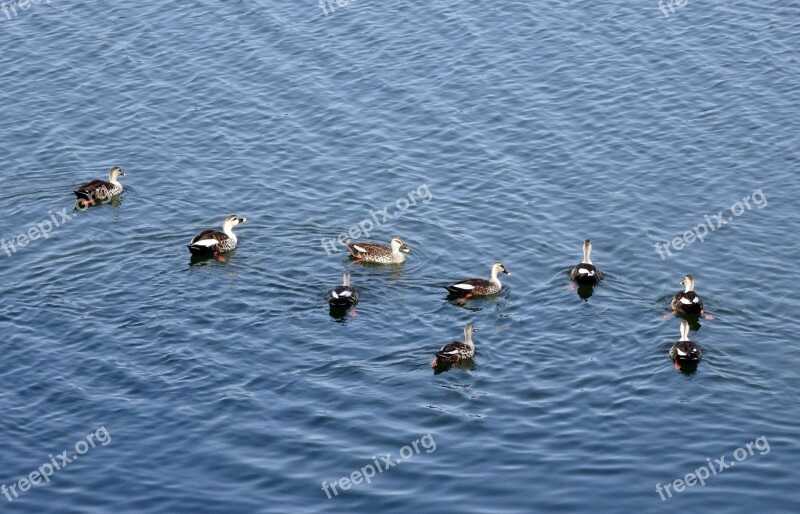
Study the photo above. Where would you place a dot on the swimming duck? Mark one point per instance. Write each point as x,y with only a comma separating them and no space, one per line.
343,296
479,286
455,352
685,351
688,302
213,242
100,189
379,254
586,272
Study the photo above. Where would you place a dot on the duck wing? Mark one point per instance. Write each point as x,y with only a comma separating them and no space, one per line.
689,302
359,249
587,272
342,296
207,241
685,351
451,351
89,190
467,285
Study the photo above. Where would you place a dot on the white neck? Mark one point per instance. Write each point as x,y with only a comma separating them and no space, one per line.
689,286
228,229
468,338
494,278
397,253
114,180
587,252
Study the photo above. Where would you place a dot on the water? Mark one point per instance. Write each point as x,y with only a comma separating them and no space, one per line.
228,387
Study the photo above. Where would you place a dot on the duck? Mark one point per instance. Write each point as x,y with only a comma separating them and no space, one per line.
100,189
685,351
343,296
687,303
378,253
586,273
455,352
212,242
479,286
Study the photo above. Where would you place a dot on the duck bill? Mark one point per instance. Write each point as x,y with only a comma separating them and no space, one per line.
405,249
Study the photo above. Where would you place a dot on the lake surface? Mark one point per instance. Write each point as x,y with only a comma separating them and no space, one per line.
523,128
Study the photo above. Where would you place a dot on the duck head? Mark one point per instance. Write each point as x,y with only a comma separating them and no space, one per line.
115,173
231,221
469,329
399,246
688,282
498,267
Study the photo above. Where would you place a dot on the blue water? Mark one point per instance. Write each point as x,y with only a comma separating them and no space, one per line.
229,387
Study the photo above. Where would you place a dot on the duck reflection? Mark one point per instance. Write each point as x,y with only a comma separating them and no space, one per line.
585,291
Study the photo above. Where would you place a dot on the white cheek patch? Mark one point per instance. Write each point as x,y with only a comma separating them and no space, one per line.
466,287
206,242
360,248
685,301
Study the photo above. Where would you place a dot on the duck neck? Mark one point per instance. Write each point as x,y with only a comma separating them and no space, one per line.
468,339
494,279
114,179
587,254
228,229
689,286
398,255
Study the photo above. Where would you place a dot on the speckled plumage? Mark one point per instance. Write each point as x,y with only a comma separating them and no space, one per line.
379,254
212,241
101,189
479,286
454,352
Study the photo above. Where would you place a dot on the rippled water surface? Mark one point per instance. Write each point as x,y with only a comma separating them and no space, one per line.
523,128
